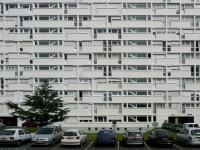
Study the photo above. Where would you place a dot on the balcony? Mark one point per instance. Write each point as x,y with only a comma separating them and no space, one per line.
108,86
94,23
78,86
137,86
137,61
7,74
50,61
167,61
47,11
167,112
91,49
138,24
106,61
136,111
18,12
106,11
20,86
137,74
91,74
182,49
18,61
135,49
181,74
171,11
179,99
16,36
9,24
138,11
136,36
139,99
182,24
78,61
79,11
49,48
166,86
78,36
193,11
104,111
192,36
48,23
48,36
192,61
107,36
93,99
166,36
191,86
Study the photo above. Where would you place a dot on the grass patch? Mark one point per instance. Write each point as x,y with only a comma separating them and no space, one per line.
93,136
146,134
31,130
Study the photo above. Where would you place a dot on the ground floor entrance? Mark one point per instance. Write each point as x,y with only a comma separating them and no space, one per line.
9,121
181,119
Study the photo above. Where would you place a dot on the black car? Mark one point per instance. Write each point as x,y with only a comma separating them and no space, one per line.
160,137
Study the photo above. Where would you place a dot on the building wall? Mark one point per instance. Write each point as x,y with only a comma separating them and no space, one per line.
134,61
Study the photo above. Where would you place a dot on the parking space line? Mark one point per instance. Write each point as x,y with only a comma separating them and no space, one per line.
178,147
147,146
118,145
56,147
89,145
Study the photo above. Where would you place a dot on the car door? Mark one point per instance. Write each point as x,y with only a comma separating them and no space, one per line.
22,135
84,136
185,135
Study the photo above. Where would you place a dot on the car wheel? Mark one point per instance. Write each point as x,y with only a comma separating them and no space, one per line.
18,143
81,144
53,142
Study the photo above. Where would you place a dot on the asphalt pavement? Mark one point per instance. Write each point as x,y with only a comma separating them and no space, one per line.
89,145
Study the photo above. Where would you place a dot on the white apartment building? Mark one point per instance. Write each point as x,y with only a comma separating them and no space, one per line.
134,61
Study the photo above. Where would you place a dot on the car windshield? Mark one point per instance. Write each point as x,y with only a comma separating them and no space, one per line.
45,131
7,132
162,132
134,134
69,133
105,132
195,132
193,125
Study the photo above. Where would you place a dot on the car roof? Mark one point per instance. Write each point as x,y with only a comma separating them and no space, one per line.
70,130
193,128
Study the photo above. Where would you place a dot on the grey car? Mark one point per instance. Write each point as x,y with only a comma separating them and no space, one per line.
48,135
133,138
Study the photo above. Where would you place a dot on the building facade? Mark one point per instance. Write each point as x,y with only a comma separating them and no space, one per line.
133,61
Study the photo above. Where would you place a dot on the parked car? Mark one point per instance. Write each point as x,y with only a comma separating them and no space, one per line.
160,137
133,138
176,128
189,136
48,135
190,125
74,137
14,136
2,126
106,136
166,126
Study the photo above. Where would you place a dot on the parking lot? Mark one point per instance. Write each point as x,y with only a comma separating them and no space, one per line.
91,146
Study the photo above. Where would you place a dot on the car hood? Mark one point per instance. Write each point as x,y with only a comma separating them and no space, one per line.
43,135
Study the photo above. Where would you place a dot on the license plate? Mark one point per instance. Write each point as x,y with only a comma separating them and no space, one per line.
3,138
70,138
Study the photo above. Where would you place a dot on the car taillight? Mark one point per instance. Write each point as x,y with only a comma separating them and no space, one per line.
12,138
77,137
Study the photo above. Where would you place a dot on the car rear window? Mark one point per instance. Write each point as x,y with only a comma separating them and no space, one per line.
162,132
70,134
106,132
195,132
7,132
134,134
45,131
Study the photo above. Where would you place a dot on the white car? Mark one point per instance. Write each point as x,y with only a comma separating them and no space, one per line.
74,137
190,136
14,136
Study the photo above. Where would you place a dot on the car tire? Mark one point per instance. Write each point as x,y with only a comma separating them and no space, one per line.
81,144
53,142
18,143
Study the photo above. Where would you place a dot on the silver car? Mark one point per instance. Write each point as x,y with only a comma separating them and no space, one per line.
48,135
133,138
189,136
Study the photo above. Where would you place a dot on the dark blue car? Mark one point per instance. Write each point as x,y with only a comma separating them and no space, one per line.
106,136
